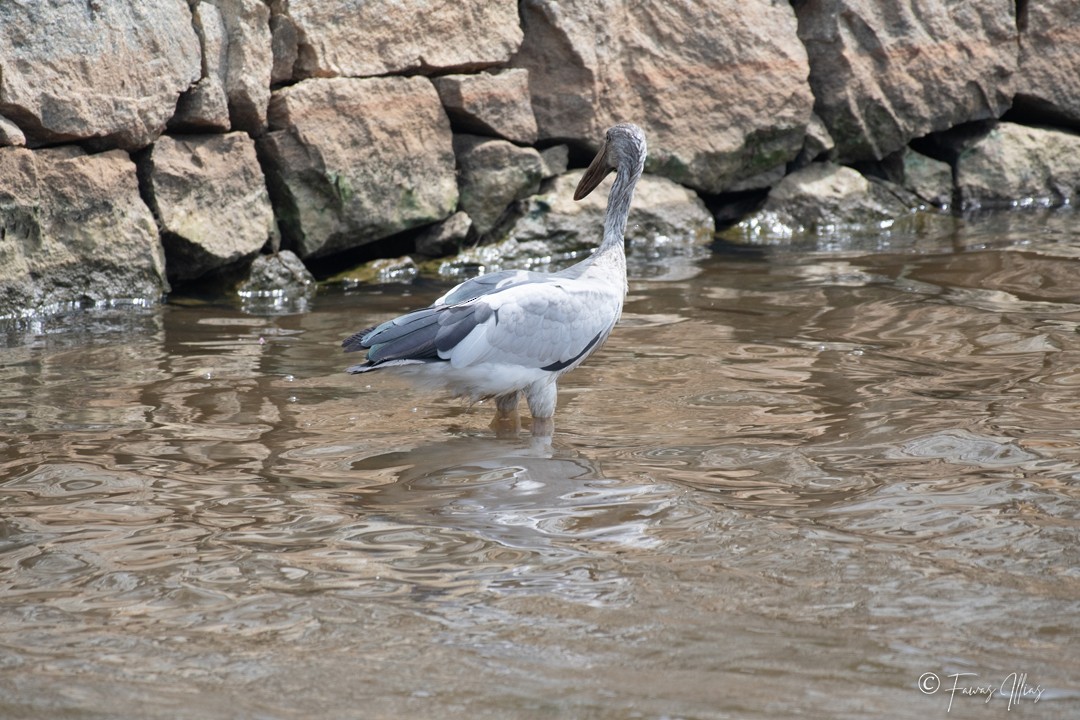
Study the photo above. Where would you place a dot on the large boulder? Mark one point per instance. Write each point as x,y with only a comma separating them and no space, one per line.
885,73
490,104
719,86
74,230
351,39
662,211
666,220
821,199
110,72
1048,83
492,175
353,160
1020,165
209,196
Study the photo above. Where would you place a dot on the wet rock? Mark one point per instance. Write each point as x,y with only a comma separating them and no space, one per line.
380,271
276,284
279,273
929,179
210,199
820,199
109,72
883,74
492,175
490,104
74,230
728,101
350,161
1048,82
444,237
346,38
1020,165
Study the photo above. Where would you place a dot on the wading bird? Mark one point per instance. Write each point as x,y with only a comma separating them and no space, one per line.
516,332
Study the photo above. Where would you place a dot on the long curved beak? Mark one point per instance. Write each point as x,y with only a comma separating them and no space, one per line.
598,170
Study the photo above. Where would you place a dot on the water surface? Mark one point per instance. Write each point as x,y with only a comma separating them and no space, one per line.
793,483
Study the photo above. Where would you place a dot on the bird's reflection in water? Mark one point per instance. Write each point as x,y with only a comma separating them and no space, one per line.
512,516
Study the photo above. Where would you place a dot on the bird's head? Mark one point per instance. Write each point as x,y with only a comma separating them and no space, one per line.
623,150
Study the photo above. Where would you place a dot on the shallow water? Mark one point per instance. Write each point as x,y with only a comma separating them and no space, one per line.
795,482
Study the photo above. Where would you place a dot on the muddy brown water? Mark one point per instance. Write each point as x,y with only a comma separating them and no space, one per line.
825,483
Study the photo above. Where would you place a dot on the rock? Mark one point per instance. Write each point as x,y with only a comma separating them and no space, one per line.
10,134
277,284
276,274
350,161
555,230
249,62
346,38
931,180
209,196
662,210
380,271
1048,82
74,230
1019,165
110,72
234,90
818,142
205,107
821,198
444,237
725,102
555,161
284,42
490,104
883,74
492,175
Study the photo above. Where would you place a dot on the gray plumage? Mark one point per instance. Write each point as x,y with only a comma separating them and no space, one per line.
516,331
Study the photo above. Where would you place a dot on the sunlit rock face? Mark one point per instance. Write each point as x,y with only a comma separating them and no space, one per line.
885,73
107,72
360,39
719,87
208,194
353,160
1048,82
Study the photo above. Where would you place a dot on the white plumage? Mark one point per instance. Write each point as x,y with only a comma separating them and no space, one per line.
512,332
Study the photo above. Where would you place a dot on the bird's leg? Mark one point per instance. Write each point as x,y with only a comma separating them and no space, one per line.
507,422
542,407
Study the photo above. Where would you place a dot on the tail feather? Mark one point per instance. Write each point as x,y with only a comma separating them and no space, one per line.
369,366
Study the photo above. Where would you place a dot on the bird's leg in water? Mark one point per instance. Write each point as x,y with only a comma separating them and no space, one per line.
543,427
507,422
541,398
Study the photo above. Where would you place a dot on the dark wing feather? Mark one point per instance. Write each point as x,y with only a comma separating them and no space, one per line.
423,335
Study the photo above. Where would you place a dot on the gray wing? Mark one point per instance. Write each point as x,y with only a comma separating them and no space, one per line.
418,336
550,324
490,283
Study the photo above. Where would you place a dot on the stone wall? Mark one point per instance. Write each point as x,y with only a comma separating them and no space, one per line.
144,142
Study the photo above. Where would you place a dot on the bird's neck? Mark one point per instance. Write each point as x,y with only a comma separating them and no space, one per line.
618,209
